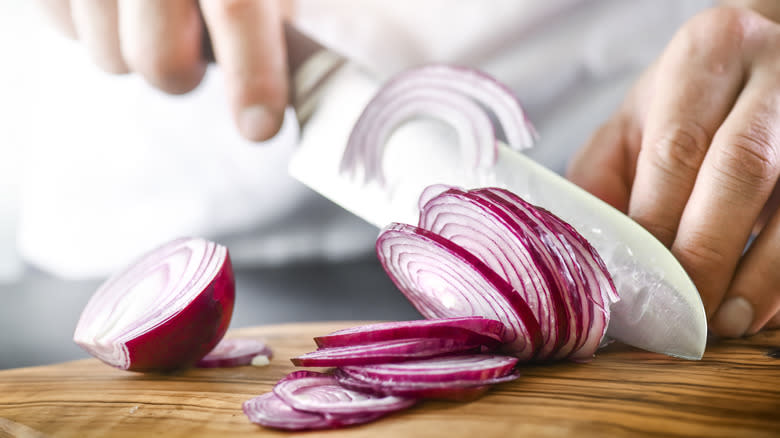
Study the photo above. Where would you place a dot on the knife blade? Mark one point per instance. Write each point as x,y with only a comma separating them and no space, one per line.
660,308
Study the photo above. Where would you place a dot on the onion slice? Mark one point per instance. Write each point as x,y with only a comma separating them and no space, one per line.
165,311
487,331
271,411
235,352
385,351
321,393
453,389
443,280
443,369
453,94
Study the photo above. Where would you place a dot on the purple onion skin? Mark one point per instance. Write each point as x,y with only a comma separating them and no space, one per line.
185,338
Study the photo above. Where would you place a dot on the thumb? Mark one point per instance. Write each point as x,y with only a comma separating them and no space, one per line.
605,165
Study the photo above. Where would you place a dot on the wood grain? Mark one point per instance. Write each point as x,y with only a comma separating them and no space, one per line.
733,392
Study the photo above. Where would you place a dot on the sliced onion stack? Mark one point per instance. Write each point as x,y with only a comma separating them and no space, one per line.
549,268
511,249
592,290
165,311
443,280
235,352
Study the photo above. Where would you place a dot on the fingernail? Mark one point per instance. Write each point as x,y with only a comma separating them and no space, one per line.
733,318
257,123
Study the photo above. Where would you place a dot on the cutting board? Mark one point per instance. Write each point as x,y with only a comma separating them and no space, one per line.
734,391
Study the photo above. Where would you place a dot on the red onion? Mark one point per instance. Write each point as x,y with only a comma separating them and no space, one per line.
271,411
594,285
322,394
443,280
511,249
235,352
385,352
545,265
165,311
449,93
442,369
477,329
451,389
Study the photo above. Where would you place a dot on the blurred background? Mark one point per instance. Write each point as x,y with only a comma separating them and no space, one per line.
96,169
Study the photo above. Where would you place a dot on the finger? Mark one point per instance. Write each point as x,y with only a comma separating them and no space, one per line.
58,12
682,118
735,182
96,25
604,166
754,296
161,40
247,36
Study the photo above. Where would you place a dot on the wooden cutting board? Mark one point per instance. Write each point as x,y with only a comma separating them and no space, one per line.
733,392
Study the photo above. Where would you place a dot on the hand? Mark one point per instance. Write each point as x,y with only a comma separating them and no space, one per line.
693,155
163,41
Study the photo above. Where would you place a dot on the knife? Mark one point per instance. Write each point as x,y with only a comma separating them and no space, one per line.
660,309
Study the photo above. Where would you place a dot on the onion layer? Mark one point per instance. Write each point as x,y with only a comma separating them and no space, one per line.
455,95
477,329
165,311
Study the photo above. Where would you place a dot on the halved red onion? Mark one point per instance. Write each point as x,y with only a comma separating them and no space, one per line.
321,393
443,280
474,328
441,369
445,92
271,411
235,352
165,311
509,247
385,351
452,389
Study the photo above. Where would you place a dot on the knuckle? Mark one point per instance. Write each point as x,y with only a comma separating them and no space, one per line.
662,232
236,8
681,148
716,34
751,158
170,70
699,254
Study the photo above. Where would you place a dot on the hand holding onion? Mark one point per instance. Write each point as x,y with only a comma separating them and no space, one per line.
694,156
